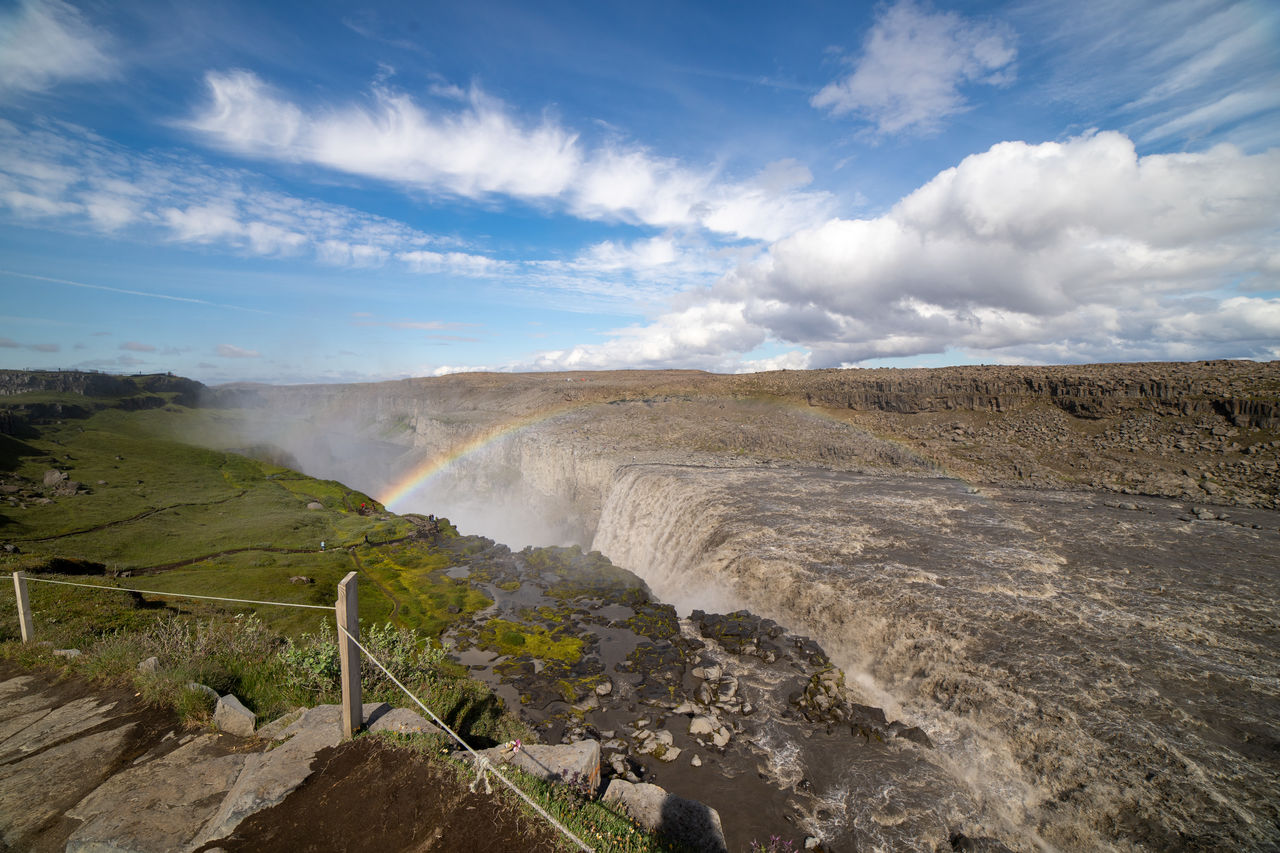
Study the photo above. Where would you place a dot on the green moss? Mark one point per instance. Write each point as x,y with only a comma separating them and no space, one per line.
510,638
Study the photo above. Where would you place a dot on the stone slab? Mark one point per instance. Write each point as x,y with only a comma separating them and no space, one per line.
686,821
159,806
269,777
403,721
42,787
61,723
570,762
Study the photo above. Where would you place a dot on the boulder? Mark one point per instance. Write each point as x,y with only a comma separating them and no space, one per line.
233,717
151,664
573,762
402,721
685,821
702,726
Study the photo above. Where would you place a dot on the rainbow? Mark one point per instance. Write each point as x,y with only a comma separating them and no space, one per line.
421,473
418,475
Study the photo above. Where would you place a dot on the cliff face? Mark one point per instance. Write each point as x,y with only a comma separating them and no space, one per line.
1246,393
89,384
1205,431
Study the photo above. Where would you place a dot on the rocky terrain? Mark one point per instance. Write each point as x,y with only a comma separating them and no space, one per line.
1203,431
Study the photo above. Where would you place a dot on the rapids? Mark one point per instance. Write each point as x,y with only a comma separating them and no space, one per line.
1094,674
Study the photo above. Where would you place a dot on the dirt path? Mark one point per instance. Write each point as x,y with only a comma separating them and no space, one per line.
132,518
395,603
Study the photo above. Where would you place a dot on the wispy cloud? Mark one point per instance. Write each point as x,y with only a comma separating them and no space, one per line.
229,351
134,346
124,291
64,175
909,74
44,42
1196,71
482,150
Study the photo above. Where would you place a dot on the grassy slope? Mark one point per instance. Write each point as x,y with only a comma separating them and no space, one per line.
178,517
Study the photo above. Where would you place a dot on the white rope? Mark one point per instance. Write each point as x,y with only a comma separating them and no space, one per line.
180,594
483,766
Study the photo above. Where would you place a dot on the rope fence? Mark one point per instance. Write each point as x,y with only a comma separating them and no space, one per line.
181,594
483,766
348,626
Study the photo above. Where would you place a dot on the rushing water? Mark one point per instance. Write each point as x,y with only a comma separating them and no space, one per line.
1095,674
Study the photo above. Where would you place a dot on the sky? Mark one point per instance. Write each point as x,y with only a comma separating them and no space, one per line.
319,192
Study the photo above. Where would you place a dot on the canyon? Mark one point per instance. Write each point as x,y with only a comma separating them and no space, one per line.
1064,577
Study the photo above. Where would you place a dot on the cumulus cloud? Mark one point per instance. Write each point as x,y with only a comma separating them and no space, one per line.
1062,251
909,75
480,150
44,42
229,351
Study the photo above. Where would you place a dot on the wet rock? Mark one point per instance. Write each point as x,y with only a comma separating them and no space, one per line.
685,821
231,716
962,843
700,726
915,734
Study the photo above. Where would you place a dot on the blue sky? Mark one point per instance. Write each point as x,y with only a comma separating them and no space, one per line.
319,192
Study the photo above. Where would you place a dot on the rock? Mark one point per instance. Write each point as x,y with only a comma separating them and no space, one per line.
604,688
696,761
204,690
668,753
168,800
233,717
685,708
269,777
685,821
67,653
575,762
702,726
402,721
151,664
40,788
811,843
59,723
720,737
301,579
274,729
53,477
315,505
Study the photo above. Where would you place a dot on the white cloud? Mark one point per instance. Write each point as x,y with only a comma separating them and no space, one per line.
479,150
67,176
229,351
1200,70
912,66
134,346
43,42
457,263
1070,251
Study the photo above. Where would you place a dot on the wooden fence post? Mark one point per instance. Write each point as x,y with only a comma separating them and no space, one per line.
24,606
348,609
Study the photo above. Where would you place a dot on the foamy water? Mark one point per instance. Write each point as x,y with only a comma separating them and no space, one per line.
1094,677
